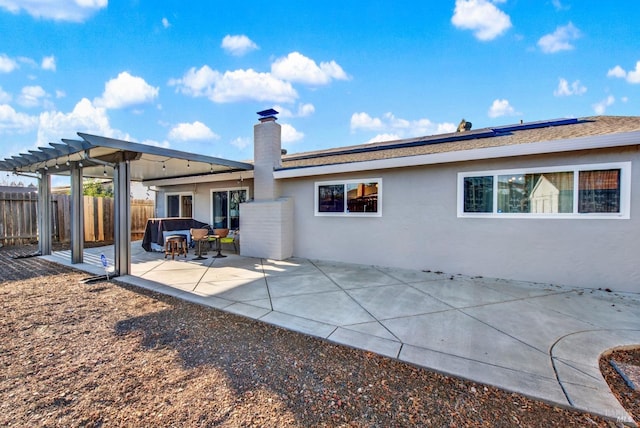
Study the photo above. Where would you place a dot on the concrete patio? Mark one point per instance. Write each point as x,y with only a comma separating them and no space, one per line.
540,340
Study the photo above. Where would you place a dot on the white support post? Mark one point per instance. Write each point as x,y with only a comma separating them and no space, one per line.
77,214
122,220
44,213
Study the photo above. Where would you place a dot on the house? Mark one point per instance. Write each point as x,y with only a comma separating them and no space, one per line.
553,201
18,189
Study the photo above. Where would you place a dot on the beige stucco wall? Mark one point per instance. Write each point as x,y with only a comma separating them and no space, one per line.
419,229
201,196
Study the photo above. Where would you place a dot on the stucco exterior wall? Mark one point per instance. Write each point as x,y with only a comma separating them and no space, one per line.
202,210
419,228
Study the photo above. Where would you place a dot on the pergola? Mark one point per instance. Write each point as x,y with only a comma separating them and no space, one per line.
95,156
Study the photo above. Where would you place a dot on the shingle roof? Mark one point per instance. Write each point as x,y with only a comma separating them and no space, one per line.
551,130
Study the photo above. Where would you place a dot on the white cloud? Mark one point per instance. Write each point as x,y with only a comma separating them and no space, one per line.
304,110
617,71
238,85
166,23
296,67
559,40
362,120
49,63
13,122
126,90
482,17
192,131
248,84
290,134
501,108
60,10
7,65
389,124
196,83
31,96
557,4
243,85
60,93
5,97
238,45
85,117
601,107
632,76
381,138
241,142
564,89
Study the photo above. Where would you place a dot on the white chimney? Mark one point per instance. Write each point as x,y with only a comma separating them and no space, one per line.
267,153
267,221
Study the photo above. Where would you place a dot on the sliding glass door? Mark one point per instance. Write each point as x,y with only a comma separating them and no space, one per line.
225,208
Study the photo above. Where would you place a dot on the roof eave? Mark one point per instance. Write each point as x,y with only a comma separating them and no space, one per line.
543,147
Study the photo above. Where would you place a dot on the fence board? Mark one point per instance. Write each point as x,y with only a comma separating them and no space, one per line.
19,218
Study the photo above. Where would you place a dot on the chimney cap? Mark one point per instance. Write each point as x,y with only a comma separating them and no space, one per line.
268,113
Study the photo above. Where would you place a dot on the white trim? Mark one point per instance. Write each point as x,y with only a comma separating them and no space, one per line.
181,194
625,191
346,213
552,146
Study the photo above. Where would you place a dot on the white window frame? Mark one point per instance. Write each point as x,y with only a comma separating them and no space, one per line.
346,213
625,191
181,194
225,189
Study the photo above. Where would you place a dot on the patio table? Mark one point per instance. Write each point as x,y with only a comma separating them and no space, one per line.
155,227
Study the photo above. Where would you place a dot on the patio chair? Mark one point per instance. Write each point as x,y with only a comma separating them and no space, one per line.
199,235
222,235
232,238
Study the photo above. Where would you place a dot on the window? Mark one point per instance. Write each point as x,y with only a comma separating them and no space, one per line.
179,205
349,197
599,191
225,208
536,193
582,191
478,194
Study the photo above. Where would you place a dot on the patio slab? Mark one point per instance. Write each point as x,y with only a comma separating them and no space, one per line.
541,340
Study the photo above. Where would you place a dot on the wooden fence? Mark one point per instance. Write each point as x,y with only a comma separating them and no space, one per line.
19,218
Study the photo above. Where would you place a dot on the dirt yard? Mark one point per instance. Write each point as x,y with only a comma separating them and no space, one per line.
112,355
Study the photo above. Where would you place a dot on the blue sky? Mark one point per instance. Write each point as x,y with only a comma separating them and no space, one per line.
192,75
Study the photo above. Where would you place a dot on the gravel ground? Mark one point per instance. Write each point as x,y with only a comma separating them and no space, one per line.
111,355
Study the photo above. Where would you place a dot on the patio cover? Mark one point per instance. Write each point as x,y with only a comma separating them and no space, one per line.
92,151
95,156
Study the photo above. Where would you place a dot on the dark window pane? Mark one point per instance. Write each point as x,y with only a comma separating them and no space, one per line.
173,206
187,206
599,191
220,207
478,194
362,197
237,197
331,198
